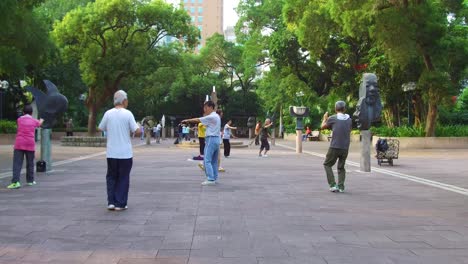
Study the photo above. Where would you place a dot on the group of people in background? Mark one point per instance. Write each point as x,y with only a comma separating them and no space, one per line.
119,124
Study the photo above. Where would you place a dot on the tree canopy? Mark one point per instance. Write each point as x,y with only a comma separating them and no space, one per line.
117,39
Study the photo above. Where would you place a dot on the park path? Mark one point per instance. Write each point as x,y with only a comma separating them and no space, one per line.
264,210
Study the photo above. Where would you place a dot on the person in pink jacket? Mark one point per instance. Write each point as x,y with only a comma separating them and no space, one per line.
24,146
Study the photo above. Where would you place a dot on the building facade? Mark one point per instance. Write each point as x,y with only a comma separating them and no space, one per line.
207,15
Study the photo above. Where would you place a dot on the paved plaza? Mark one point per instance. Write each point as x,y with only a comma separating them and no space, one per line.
274,210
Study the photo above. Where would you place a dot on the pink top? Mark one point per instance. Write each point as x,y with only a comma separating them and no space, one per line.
25,134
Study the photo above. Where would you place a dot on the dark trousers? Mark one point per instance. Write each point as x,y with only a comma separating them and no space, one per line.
18,157
118,181
332,156
227,147
69,134
201,140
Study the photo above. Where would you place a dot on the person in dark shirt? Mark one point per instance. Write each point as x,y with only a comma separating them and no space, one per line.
340,124
264,135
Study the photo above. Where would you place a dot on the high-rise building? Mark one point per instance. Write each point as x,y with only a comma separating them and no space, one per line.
207,15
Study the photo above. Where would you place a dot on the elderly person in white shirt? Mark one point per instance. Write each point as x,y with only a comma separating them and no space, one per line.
118,123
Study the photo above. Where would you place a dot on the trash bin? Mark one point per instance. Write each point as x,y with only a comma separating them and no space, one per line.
41,166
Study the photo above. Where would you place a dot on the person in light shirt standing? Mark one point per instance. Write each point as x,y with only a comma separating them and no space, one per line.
24,146
226,138
118,123
212,121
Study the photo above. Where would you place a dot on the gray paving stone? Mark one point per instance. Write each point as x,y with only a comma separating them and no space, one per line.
274,210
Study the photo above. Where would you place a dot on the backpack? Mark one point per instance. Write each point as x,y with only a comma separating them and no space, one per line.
382,145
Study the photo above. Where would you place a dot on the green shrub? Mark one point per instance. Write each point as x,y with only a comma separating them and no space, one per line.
453,117
405,131
7,127
452,131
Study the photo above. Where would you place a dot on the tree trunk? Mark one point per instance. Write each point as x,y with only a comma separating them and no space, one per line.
95,101
431,119
92,118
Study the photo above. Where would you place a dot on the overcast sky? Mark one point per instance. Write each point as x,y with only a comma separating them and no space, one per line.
230,16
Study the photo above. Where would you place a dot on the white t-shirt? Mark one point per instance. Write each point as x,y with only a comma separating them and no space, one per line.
226,132
118,124
212,123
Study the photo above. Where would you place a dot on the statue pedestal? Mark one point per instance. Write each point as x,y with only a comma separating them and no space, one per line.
365,150
163,132
46,147
298,141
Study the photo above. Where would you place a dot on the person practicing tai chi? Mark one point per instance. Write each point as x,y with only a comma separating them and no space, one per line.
227,134
118,123
25,146
258,127
212,121
264,135
340,124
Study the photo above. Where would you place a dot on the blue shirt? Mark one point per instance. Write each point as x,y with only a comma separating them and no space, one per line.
212,123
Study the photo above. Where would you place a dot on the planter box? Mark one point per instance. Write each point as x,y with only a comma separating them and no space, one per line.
84,141
7,139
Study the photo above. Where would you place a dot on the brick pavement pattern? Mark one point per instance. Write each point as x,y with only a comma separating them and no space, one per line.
274,210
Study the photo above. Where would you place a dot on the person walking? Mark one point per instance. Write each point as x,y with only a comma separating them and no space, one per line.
264,135
340,124
226,137
24,146
212,121
69,128
118,123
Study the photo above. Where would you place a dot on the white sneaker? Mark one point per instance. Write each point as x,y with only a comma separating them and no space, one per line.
110,207
205,183
265,156
334,189
121,208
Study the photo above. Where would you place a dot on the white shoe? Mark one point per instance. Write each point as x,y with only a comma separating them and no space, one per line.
206,183
265,156
110,207
333,189
121,208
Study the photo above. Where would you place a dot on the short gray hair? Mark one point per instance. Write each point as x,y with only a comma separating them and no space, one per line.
119,97
340,106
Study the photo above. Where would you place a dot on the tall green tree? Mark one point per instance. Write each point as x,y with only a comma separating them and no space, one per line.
113,40
404,30
240,71
23,40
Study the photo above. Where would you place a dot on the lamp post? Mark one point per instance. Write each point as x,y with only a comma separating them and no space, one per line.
299,112
3,86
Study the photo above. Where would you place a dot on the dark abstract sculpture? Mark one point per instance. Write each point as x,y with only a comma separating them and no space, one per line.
49,104
369,107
